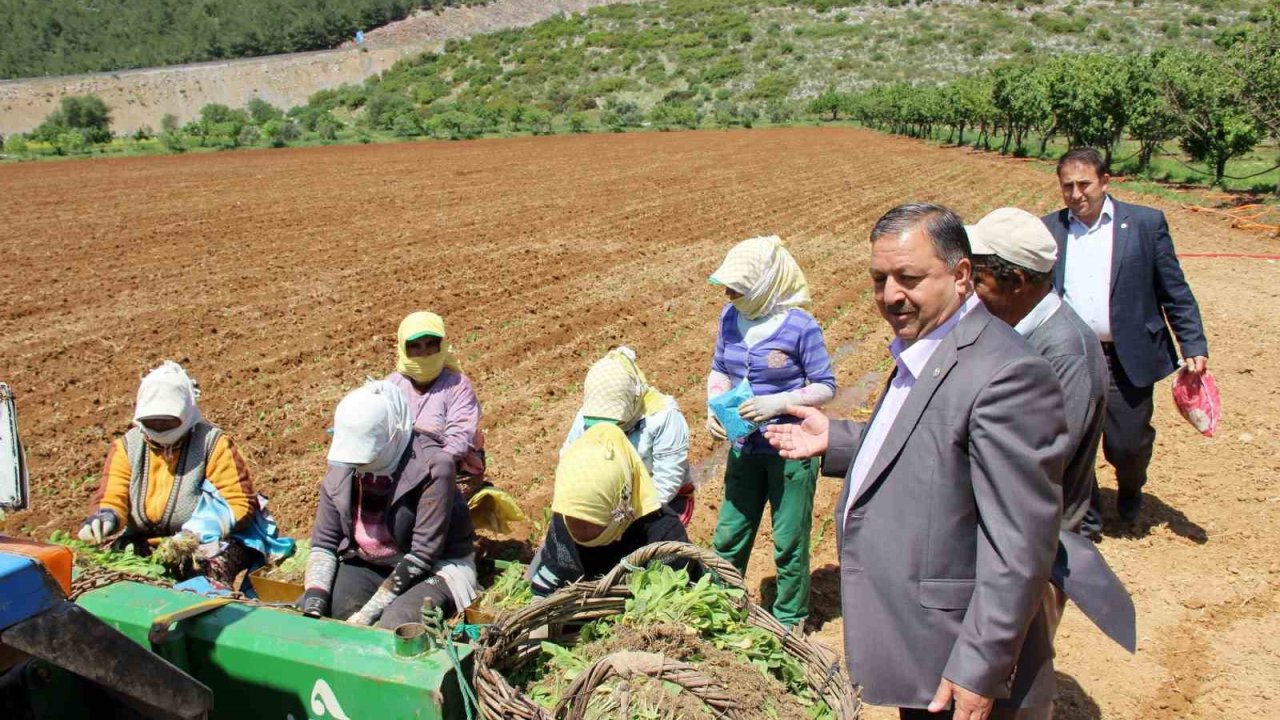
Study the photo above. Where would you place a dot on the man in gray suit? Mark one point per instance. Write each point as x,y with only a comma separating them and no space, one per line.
1013,258
948,524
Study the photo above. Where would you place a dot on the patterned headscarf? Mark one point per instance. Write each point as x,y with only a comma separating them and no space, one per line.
601,480
766,276
615,388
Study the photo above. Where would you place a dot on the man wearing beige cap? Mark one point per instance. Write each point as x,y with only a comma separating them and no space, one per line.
1013,257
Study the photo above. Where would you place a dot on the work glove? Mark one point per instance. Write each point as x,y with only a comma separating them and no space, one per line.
408,572
322,566
99,526
765,407
714,428
314,603
364,617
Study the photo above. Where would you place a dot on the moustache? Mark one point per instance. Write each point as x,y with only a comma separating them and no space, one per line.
902,307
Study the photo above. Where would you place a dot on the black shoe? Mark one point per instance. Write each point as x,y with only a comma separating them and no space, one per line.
1128,505
1091,525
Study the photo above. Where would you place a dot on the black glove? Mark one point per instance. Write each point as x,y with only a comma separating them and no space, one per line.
314,603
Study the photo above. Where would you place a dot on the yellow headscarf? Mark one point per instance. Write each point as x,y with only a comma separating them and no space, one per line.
601,480
423,370
765,274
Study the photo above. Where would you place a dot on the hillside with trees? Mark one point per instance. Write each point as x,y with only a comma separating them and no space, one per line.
1171,93
62,37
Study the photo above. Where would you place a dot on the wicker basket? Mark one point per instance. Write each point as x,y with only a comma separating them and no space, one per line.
506,646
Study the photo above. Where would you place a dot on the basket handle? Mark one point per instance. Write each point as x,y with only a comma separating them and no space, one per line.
627,664
641,557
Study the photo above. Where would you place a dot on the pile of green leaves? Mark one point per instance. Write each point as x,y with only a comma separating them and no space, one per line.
510,590
663,595
118,560
293,568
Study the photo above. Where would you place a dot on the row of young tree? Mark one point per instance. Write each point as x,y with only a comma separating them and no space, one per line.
59,37
1212,109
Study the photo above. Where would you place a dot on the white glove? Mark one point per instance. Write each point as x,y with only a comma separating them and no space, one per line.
766,407
360,617
714,427
99,526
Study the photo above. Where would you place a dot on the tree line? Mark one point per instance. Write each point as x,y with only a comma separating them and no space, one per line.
61,37
1217,105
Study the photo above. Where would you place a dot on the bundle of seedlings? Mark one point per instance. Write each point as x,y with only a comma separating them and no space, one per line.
645,642
97,561
509,591
293,568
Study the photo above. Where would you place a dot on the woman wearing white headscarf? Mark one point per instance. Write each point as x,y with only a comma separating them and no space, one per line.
392,531
766,339
155,476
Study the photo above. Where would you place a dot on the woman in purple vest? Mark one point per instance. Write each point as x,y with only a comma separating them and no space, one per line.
766,339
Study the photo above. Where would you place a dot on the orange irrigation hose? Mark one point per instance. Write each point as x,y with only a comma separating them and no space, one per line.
1241,219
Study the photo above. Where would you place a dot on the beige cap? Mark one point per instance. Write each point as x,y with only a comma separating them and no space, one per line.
1016,236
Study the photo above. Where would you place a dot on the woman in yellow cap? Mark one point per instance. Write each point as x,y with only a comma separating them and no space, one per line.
442,402
778,348
604,507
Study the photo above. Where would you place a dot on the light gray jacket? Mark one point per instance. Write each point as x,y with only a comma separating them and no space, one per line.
946,551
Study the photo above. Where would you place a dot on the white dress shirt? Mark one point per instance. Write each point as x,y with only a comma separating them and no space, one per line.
1041,312
1087,277
911,361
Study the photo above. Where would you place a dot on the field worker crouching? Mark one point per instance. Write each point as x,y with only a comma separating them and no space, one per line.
392,533
441,399
175,476
617,392
766,339
1013,259
604,507
443,404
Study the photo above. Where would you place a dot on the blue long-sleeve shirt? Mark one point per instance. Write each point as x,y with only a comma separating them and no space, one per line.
794,356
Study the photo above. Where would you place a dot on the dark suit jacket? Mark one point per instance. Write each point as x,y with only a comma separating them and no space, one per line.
946,552
1148,293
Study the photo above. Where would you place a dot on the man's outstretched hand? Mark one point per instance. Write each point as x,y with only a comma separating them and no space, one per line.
806,440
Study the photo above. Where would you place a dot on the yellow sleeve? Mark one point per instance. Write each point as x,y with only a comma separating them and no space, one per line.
113,490
229,473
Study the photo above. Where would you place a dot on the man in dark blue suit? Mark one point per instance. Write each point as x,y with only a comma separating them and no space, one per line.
1118,271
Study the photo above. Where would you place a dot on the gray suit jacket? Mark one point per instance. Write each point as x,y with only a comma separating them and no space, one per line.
946,552
1076,357
1079,569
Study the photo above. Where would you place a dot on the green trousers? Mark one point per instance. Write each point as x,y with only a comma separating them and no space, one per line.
787,485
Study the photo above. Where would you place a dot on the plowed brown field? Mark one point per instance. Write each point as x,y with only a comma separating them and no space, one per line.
278,279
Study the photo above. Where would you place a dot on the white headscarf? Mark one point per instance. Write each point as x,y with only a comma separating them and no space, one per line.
371,429
165,392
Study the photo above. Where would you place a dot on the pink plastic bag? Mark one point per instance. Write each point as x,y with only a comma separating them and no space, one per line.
1197,399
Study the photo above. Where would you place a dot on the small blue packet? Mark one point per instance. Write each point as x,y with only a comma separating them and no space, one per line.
725,406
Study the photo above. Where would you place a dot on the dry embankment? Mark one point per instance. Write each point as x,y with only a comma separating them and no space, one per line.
139,98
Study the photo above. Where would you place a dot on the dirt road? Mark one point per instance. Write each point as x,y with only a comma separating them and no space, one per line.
278,278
